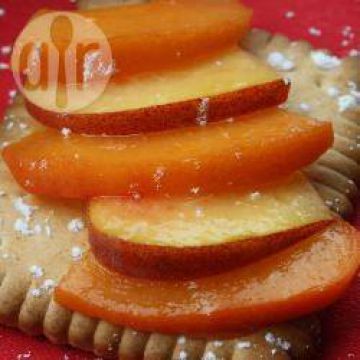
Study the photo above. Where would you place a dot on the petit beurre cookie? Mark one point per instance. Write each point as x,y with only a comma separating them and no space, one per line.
40,238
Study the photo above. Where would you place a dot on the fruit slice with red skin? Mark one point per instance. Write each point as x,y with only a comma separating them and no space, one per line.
183,238
232,84
255,149
158,35
299,280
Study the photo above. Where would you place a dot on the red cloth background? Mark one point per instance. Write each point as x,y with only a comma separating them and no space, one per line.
342,321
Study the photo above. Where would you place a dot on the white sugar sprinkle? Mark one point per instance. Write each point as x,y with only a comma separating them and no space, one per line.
203,109
76,225
304,107
280,62
4,66
314,31
48,284
325,61
36,271
243,344
333,91
12,93
35,292
270,338
256,195
183,355
287,81
346,102
2,11
66,132
195,190
209,355
290,14
76,253
24,209
6,49
181,340
218,343
354,52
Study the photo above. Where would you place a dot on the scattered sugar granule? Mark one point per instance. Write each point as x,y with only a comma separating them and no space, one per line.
181,340
2,193
354,52
12,93
280,62
304,107
346,102
76,225
6,49
347,31
270,338
199,212
4,144
2,11
325,61
159,174
314,31
48,284
203,109
195,190
243,344
290,14
66,132
209,355
48,230
283,344
218,343
287,81
183,355
23,208
23,126
23,356
36,271
333,91
4,66
256,195
345,43
76,253
35,292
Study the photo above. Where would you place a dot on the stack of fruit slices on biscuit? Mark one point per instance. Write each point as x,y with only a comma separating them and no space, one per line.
200,222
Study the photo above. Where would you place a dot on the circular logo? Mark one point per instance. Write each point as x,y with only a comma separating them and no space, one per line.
62,61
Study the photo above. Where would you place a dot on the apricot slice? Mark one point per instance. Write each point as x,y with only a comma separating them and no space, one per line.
254,149
296,281
230,85
157,35
192,237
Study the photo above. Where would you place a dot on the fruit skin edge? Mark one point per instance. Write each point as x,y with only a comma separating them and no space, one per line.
328,283
109,166
190,262
167,116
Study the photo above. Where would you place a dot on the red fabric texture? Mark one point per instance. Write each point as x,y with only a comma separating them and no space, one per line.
328,17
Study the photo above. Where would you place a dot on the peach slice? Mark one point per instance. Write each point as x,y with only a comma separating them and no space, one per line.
182,238
213,90
158,35
299,280
255,149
